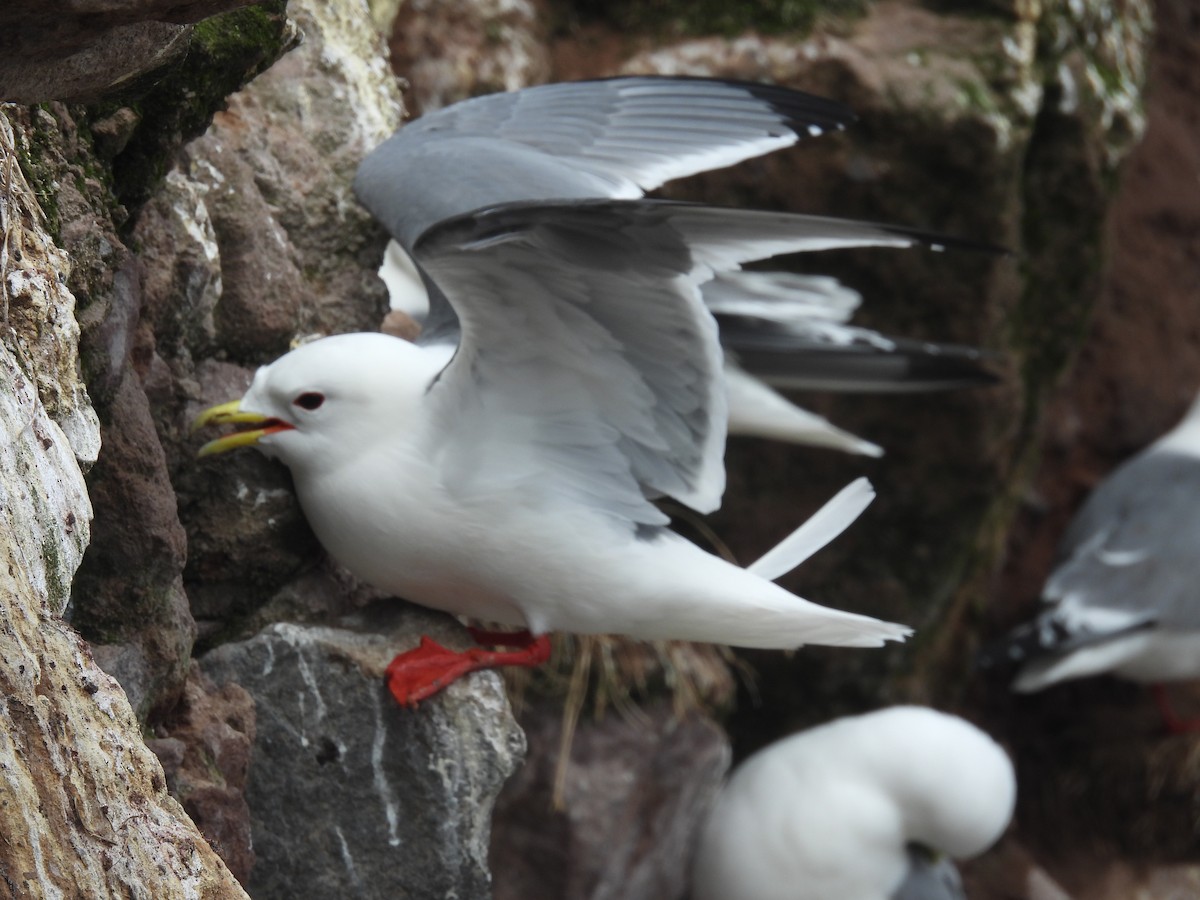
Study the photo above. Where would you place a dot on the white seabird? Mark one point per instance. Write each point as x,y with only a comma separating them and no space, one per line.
568,374
1122,599
865,808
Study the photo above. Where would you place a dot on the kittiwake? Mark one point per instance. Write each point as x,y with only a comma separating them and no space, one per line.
1122,598
569,374
869,807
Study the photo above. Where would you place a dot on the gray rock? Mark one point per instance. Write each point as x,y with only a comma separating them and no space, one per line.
128,593
351,795
297,254
635,793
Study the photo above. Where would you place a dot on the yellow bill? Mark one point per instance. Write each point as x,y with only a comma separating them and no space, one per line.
231,413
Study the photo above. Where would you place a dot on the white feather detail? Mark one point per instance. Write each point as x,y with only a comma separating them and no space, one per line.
822,527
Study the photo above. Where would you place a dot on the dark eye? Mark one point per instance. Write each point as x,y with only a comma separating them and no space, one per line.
309,400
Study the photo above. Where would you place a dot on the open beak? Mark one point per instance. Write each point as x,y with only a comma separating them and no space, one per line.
232,414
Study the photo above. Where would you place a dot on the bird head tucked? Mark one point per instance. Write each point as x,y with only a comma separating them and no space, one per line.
325,400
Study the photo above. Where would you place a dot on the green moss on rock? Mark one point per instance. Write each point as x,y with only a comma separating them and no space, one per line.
225,53
34,146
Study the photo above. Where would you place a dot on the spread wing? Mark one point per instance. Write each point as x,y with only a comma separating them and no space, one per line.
613,138
588,364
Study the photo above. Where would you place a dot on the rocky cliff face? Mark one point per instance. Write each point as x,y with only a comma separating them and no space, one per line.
86,806
156,260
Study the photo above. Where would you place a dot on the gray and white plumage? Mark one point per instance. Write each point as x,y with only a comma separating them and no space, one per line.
1123,597
866,807
505,467
618,138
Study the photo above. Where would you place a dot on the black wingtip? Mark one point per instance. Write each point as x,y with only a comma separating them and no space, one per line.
802,110
807,115
1046,635
784,358
939,242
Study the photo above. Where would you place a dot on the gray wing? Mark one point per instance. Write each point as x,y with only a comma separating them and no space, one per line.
1128,561
791,331
929,878
613,138
588,363
1133,545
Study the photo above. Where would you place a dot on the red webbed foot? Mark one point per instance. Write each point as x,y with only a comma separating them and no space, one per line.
420,673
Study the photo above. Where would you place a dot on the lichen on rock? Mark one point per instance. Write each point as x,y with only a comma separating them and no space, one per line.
85,800
36,308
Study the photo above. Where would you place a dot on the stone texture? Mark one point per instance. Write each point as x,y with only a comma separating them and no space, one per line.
205,748
351,795
130,592
37,309
44,500
448,51
84,801
637,788
128,598
297,253
77,51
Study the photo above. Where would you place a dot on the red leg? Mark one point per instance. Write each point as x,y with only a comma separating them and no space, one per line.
419,674
1171,721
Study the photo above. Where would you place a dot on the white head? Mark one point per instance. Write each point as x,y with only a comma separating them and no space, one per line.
830,813
320,404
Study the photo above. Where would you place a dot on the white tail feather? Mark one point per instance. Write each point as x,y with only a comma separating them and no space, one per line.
822,527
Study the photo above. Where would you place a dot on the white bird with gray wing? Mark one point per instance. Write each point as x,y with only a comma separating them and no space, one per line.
1122,599
568,375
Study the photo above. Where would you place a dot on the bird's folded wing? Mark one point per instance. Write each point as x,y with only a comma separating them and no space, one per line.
588,360
1131,549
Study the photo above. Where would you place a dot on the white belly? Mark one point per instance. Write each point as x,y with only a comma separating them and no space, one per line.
554,566
1149,657
487,558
